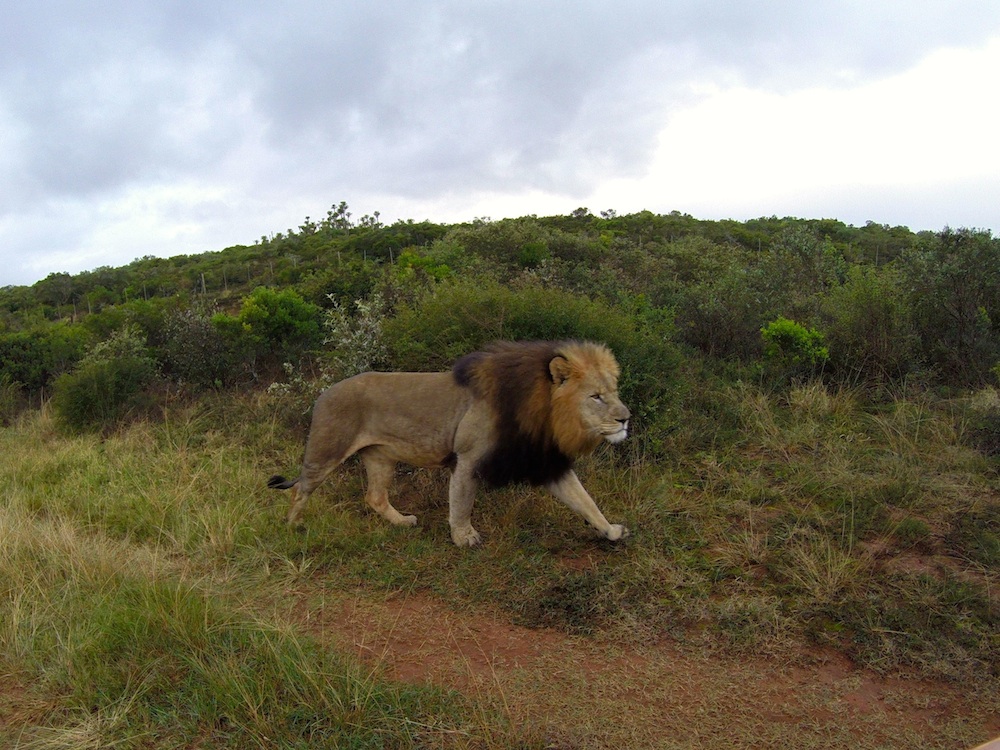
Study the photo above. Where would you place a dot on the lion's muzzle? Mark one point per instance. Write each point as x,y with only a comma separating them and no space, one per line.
617,435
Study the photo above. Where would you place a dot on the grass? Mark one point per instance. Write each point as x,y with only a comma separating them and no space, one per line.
132,651
139,572
139,634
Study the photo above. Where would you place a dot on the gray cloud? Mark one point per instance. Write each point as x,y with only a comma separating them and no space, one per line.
412,99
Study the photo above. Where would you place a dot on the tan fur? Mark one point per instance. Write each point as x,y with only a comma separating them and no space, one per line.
563,397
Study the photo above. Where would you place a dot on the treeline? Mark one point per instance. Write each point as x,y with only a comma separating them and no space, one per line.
777,299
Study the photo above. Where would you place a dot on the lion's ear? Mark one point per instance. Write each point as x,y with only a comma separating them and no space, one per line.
559,369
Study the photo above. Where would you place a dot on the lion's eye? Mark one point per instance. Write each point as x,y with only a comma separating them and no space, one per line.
597,397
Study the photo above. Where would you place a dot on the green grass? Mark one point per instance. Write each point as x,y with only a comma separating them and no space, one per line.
130,650
139,571
139,634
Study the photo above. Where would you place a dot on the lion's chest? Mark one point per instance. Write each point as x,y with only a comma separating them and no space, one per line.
520,459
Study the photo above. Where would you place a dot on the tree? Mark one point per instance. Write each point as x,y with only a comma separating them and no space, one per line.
954,285
55,290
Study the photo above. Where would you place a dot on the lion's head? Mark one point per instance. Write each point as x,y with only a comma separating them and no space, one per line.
553,401
585,404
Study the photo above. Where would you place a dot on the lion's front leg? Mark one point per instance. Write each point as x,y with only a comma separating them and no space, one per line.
569,490
461,496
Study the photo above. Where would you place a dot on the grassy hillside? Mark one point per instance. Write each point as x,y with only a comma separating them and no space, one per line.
813,469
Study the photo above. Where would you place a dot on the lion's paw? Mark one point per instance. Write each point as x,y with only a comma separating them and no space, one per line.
616,532
466,537
408,521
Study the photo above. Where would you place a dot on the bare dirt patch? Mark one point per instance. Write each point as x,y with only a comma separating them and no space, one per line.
19,706
587,693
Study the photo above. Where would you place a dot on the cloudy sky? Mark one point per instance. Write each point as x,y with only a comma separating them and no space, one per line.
159,128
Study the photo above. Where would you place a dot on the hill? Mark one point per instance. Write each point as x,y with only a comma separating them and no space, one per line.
812,486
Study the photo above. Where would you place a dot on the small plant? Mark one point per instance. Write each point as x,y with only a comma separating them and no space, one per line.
356,341
912,531
109,384
793,349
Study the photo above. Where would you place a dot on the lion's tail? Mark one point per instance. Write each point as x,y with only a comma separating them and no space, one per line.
280,483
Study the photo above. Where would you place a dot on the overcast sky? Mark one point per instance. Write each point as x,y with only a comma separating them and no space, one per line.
139,128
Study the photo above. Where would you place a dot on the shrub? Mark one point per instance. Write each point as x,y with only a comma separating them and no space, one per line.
792,350
870,328
272,327
35,358
195,351
954,282
108,385
723,316
357,344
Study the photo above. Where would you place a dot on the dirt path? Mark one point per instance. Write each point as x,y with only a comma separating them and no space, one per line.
582,693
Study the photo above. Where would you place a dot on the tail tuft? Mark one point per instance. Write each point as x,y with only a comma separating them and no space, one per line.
280,483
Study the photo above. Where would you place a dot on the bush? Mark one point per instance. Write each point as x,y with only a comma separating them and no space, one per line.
195,351
35,358
870,328
108,385
357,341
793,351
954,280
723,316
272,327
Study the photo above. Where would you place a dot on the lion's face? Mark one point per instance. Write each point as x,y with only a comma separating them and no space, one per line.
601,411
585,404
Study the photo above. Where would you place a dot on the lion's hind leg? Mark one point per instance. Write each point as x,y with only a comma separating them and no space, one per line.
299,499
312,476
326,449
380,470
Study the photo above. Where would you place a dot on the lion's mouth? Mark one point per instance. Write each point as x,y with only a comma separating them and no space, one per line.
616,436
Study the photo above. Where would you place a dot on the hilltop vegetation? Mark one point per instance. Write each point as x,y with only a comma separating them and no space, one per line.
814,462
891,305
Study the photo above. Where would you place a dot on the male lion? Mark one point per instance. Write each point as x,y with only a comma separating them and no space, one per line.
513,412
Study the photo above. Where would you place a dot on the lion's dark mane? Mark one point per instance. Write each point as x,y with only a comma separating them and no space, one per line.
507,374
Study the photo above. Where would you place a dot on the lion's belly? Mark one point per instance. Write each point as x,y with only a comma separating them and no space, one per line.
425,456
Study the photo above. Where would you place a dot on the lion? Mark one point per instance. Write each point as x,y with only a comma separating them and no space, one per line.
513,412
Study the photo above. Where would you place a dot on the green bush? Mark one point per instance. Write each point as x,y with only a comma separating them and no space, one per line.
272,327
195,351
35,358
954,282
793,351
108,385
869,326
722,316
